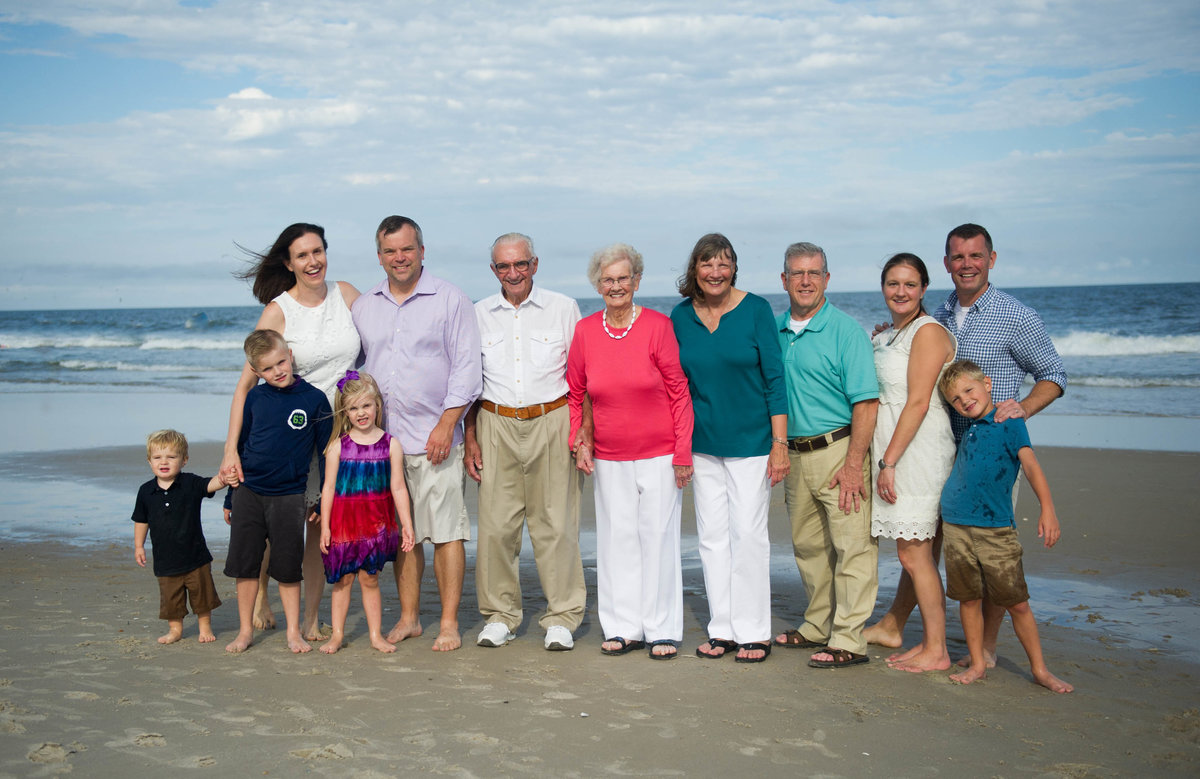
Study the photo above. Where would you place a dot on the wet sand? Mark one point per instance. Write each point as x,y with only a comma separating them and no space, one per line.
85,688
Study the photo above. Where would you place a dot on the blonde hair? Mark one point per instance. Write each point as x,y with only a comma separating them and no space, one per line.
353,384
260,342
959,369
167,439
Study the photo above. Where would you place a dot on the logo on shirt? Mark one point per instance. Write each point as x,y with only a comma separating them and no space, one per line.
298,419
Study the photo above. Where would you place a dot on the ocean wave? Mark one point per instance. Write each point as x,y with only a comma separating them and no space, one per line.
102,365
51,340
1128,382
1083,343
203,344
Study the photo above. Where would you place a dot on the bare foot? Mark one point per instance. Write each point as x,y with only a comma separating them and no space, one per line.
171,636
990,657
972,674
1052,682
332,645
298,645
447,640
380,643
240,644
931,660
314,632
907,654
207,637
885,632
264,619
404,630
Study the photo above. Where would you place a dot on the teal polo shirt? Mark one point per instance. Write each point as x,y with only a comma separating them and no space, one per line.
828,368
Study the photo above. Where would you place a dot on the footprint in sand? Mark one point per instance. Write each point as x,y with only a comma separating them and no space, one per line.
329,752
150,740
79,695
50,752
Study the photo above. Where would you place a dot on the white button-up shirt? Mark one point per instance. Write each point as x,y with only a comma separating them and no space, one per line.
525,347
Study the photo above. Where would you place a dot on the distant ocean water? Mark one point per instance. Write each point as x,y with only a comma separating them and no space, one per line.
1129,350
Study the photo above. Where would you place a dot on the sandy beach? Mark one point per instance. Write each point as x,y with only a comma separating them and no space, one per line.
86,690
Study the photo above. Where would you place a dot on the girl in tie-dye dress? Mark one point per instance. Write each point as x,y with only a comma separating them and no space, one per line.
364,490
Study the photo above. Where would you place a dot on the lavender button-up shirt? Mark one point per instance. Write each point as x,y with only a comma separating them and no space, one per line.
424,353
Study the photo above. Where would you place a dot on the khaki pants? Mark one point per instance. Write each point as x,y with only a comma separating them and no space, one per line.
837,557
528,480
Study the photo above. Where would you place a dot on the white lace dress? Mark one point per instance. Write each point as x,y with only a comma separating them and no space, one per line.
324,346
926,463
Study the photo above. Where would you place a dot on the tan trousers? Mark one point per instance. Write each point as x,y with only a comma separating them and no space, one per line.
528,480
837,557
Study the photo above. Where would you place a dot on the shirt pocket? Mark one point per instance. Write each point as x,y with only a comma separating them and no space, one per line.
548,349
493,347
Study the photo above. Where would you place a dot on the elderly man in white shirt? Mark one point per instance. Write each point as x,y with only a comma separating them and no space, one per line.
517,449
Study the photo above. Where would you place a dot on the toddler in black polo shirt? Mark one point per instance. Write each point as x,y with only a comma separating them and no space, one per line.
168,508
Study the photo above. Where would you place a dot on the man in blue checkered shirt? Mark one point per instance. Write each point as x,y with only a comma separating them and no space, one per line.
1008,341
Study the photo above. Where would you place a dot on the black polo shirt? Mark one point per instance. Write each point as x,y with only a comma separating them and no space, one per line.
173,515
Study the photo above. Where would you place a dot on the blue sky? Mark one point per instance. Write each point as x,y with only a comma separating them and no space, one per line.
139,141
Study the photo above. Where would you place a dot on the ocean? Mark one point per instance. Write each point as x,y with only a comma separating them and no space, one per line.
1132,354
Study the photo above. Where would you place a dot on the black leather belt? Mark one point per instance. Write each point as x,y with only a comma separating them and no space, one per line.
815,442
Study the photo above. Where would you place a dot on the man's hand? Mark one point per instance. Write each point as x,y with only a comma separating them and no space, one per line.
881,327
1009,409
852,490
472,457
437,448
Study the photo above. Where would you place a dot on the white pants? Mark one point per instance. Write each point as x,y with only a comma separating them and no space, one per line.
733,495
639,577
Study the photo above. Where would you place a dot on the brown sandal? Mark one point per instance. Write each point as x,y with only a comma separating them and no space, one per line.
794,640
841,659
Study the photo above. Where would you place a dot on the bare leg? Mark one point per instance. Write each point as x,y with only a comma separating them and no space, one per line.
174,632
408,569
339,605
368,584
207,636
263,618
889,631
289,595
314,583
1026,627
930,654
247,591
993,618
971,613
449,566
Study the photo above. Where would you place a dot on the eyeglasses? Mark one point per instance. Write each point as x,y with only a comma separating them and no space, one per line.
520,266
619,281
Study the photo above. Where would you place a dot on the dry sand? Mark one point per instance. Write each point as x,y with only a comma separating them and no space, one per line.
85,689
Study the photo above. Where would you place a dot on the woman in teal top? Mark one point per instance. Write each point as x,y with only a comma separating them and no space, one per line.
730,352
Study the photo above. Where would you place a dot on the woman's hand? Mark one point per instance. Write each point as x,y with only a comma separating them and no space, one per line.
231,469
583,459
779,465
885,485
683,475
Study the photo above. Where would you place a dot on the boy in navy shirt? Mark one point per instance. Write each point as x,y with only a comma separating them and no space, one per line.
168,509
284,421
981,547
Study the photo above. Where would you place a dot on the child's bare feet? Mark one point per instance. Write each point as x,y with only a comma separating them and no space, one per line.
404,630
333,644
264,619
298,645
380,643
313,631
448,639
972,674
171,636
206,636
240,644
907,654
990,657
925,660
1052,682
885,632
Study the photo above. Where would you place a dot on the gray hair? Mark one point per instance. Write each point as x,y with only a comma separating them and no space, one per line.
804,249
612,254
508,238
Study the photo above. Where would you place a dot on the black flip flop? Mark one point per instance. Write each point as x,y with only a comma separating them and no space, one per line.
766,650
664,642
714,643
626,646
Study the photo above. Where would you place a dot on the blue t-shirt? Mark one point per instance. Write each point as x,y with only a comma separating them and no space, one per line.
979,490
281,428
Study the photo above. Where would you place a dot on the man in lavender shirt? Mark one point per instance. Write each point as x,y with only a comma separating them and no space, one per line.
421,344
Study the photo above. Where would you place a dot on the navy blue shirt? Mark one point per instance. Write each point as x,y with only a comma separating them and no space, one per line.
281,427
173,515
979,490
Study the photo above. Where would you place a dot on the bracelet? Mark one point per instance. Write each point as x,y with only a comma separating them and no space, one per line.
779,441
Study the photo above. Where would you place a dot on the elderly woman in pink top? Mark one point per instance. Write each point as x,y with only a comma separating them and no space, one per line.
626,360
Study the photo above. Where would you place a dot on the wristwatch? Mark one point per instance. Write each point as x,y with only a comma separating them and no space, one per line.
883,465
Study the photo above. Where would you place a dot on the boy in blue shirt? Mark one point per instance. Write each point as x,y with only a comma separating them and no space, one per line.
982,550
284,420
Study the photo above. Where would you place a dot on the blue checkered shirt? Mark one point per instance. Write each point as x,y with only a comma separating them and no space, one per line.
1007,339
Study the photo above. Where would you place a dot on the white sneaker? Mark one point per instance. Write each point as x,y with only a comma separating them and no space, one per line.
558,639
494,634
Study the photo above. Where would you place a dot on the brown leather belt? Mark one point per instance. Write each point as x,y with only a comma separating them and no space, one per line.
815,442
523,412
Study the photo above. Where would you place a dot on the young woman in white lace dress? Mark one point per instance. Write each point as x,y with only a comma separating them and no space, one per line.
913,448
314,317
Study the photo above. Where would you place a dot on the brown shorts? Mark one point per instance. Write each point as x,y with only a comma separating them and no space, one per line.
984,562
175,591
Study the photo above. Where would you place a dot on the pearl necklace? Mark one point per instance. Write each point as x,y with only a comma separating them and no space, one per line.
604,323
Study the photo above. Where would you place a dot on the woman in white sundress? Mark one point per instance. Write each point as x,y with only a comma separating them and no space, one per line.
314,317
913,448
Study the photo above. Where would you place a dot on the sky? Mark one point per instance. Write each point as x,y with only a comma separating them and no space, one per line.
142,142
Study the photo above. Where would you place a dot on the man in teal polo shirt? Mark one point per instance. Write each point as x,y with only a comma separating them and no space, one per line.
833,396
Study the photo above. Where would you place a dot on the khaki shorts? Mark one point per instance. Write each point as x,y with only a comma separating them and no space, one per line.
436,493
175,591
984,562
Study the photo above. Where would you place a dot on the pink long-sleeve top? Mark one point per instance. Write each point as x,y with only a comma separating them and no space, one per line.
640,402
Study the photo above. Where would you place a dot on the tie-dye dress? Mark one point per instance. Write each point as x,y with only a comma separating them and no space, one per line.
363,531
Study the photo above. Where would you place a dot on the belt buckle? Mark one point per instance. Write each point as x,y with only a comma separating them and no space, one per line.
520,413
